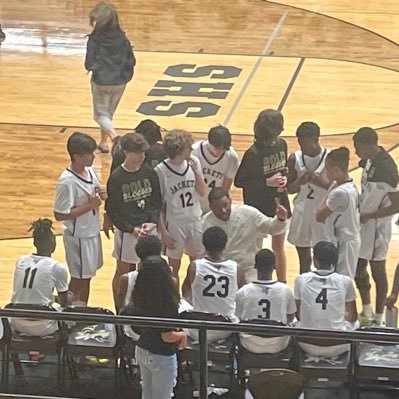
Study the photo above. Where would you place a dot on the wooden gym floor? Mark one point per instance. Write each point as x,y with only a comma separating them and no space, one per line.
199,63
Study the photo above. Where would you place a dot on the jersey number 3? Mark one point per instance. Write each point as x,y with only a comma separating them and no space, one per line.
223,292
31,279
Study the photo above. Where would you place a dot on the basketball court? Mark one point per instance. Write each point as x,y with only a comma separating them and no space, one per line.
199,63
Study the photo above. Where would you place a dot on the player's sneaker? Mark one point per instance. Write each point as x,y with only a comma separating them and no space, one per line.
365,320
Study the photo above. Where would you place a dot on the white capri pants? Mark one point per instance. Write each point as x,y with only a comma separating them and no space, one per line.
105,101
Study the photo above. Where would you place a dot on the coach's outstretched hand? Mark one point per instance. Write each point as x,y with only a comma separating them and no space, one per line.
281,212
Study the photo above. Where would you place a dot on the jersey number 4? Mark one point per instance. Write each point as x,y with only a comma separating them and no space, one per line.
31,279
322,298
186,200
224,286
212,184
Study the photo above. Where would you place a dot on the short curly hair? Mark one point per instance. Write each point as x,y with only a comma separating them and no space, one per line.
176,141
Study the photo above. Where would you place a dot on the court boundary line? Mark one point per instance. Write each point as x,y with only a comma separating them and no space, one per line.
255,67
337,19
291,84
240,134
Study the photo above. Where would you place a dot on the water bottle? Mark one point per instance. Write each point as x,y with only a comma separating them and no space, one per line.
391,317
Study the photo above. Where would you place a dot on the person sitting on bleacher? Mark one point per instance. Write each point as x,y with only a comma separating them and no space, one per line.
35,278
212,282
325,299
265,298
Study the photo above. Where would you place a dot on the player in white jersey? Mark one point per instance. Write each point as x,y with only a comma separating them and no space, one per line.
325,299
219,161
212,282
35,278
265,298
77,198
379,201
307,178
339,209
182,185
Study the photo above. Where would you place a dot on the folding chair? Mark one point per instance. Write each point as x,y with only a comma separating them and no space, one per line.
323,369
248,360
275,384
220,352
377,364
17,342
100,340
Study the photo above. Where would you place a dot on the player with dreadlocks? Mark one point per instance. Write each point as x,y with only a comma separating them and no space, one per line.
35,278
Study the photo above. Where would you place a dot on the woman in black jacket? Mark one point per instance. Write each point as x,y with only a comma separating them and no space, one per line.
111,60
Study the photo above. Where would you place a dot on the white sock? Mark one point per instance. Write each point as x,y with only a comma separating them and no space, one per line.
368,310
379,317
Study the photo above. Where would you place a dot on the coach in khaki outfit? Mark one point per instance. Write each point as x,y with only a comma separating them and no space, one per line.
243,224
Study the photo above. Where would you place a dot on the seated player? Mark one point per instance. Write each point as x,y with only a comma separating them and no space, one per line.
182,185
35,278
133,205
212,282
325,299
265,298
307,178
219,161
339,210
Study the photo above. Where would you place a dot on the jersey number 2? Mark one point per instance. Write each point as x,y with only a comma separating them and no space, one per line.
310,193
224,286
186,200
322,298
32,277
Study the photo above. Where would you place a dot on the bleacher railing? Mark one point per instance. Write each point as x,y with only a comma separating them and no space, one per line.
203,327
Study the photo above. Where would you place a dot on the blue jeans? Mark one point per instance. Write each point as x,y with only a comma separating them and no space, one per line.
158,374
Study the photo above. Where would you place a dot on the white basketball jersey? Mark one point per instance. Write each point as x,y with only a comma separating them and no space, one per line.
36,277
178,192
323,295
345,223
215,169
375,189
73,191
310,195
270,300
215,286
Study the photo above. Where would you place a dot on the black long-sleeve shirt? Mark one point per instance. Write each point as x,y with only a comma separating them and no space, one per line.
258,163
134,198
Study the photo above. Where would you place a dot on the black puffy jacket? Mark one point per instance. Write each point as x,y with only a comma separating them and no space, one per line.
109,57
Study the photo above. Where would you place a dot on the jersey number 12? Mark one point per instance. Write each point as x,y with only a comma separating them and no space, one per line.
186,200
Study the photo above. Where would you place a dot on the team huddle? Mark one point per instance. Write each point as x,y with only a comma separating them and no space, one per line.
179,191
